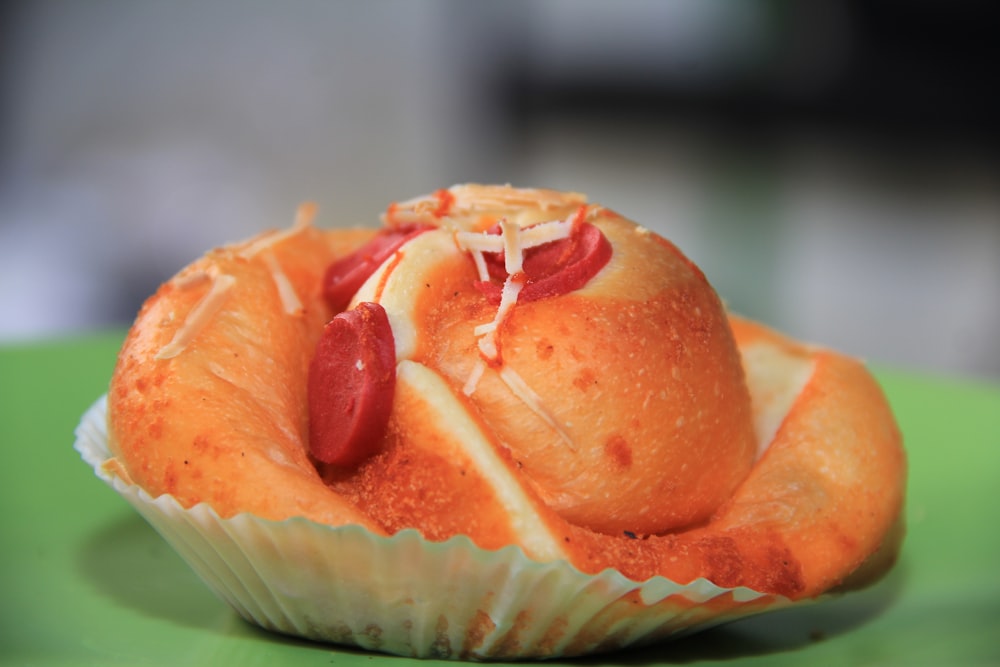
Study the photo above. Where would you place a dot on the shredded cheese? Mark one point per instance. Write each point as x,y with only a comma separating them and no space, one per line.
533,401
463,203
513,251
474,377
479,241
513,259
508,297
529,237
192,279
480,262
286,291
512,241
490,197
547,232
304,216
198,317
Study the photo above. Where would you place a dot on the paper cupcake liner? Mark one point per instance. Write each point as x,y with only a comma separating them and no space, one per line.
408,596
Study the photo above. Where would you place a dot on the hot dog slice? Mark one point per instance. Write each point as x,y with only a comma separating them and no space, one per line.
553,268
352,379
346,275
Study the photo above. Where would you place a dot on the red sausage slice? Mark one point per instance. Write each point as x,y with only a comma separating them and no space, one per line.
352,379
345,277
554,268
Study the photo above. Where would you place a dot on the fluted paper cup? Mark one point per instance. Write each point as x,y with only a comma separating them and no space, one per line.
408,596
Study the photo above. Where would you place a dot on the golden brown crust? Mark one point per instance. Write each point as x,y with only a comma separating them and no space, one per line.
223,420
835,472
823,503
641,371
207,403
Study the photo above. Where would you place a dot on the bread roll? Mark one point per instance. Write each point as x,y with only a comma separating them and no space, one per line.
559,379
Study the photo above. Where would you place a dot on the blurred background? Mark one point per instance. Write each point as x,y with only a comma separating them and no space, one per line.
833,166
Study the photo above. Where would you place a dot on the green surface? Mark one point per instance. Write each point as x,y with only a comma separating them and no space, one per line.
84,581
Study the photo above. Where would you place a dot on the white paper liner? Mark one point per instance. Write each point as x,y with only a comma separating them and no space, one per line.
408,596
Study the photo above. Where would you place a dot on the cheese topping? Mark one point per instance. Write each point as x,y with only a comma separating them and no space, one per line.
488,332
512,241
286,291
546,232
304,216
479,242
477,373
467,202
510,237
533,402
476,243
193,279
198,317
516,237
513,251
420,209
480,262
471,198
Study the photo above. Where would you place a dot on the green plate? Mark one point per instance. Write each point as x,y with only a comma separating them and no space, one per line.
83,580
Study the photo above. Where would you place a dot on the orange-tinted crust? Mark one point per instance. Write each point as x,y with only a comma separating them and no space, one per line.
824,497
640,367
225,422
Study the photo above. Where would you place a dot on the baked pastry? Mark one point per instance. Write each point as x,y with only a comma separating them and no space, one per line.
499,384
